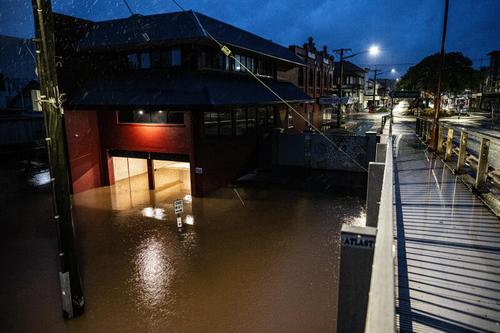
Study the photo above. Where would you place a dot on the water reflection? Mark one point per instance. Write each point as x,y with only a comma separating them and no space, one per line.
156,213
189,220
39,179
154,272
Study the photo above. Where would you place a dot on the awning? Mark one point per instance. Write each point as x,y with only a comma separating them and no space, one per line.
183,88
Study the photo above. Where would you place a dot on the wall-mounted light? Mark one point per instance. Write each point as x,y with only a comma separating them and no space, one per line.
140,111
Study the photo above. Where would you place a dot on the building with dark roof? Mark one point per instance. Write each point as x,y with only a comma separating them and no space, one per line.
352,86
156,92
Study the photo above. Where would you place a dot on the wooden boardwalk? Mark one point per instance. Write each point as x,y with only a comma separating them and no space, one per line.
448,247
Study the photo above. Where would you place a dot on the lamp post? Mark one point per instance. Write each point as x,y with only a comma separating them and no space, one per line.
374,50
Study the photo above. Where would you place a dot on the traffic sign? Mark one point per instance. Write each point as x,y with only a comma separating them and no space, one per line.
178,206
405,94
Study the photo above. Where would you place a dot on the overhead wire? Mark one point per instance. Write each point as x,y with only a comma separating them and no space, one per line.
229,53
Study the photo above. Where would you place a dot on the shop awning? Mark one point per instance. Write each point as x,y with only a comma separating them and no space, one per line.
182,88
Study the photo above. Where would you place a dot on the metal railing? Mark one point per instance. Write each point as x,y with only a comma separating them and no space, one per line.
478,164
381,312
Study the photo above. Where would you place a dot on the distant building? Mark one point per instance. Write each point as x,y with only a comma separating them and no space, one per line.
155,94
352,86
490,96
317,81
17,73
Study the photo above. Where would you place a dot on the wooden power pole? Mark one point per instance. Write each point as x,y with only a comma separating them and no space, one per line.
437,105
71,289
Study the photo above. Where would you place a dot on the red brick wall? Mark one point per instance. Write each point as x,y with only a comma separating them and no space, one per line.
83,149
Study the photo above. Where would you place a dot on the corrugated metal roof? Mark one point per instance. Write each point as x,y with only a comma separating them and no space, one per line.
349,68
178,88
175,26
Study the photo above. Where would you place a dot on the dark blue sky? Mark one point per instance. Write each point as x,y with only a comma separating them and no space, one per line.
405,30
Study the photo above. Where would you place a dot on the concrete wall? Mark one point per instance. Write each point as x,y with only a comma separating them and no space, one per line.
315,151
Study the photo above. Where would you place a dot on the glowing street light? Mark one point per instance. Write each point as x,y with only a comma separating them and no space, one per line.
393,70
374,50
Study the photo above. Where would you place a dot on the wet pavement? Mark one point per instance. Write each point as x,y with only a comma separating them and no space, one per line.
447,246
260,257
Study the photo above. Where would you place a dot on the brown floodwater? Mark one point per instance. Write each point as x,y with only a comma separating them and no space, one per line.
267,262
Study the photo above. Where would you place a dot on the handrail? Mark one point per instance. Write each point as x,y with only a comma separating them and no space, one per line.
381,314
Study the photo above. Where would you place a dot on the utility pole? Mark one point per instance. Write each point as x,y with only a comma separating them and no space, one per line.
433,143
375,86
341,81
51,100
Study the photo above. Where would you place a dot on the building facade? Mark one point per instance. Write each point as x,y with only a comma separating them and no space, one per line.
155,94
352,85
317,81
490,96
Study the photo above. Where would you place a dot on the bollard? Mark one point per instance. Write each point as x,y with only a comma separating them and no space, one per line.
462,154
440,139
449,144
482,168
356,259
373,192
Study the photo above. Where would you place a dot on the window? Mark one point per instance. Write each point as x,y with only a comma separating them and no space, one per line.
270,117
145,62
225,123
166,58
151,117
262,118
318,79
331,81
132,61
241,121
311,78
290,118
325,83
244,62
237,64
211,122
251,120
301,77
176,58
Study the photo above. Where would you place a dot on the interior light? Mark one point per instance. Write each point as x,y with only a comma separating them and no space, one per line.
140,111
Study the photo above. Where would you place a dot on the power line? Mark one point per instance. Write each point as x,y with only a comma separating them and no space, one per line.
228,53
143,33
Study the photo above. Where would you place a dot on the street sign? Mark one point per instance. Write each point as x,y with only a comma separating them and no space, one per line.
178,206
405,94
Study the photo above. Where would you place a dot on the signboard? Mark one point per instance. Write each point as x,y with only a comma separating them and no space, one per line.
178,206
405,94
362,242
333,100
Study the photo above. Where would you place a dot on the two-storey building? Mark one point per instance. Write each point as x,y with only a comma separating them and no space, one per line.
352,86
148,93
317,81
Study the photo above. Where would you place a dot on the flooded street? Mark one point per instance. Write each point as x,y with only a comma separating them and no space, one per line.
264,263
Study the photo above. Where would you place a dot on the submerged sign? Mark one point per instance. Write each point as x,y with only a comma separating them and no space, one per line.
178,206
362,242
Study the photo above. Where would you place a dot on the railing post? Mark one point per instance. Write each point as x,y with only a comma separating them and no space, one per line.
449,144
422,128
482,168
462,152
440,139
417,127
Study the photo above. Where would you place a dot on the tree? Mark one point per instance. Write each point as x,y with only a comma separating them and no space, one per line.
458,75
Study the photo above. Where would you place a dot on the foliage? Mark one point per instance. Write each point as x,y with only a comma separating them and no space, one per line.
458,75
429,112
382,109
